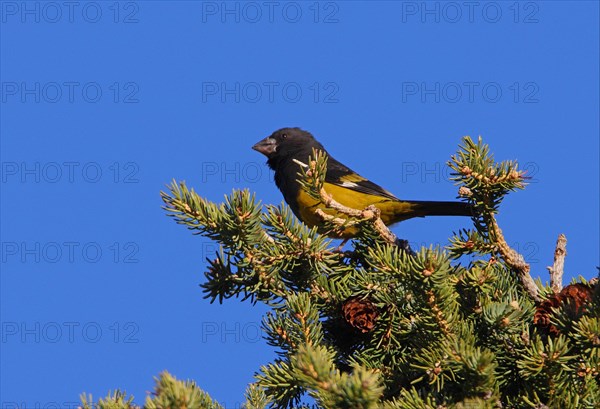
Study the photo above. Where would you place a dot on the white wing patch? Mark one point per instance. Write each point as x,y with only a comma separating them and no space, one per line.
304,165
349,184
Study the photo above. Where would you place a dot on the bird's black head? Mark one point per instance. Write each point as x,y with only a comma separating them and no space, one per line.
286,144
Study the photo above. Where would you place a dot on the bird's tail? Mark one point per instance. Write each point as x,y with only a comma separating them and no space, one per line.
394,211
426,208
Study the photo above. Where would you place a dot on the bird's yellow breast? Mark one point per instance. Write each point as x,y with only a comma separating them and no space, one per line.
392,211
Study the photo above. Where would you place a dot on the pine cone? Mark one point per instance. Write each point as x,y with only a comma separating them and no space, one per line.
360,314
576,296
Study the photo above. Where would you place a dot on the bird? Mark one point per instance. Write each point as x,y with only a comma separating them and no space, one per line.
287,148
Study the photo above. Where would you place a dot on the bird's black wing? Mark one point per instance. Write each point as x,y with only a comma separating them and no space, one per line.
340,175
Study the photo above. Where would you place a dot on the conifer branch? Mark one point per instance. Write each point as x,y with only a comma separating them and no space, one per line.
262,254
485,183
312,180
169,392
384,327
437,312
256,398
557,269
514,260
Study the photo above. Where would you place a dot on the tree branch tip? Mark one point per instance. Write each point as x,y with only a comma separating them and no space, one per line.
557,269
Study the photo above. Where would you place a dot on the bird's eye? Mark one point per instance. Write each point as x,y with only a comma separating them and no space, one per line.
283,136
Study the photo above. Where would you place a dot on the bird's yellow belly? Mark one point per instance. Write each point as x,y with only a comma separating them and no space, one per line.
392,211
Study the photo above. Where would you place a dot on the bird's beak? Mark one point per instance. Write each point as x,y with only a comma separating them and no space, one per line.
267,146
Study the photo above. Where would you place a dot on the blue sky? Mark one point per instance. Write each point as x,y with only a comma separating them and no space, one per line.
103,103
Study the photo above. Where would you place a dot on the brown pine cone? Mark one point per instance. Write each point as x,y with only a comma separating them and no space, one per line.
360,313
577,295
